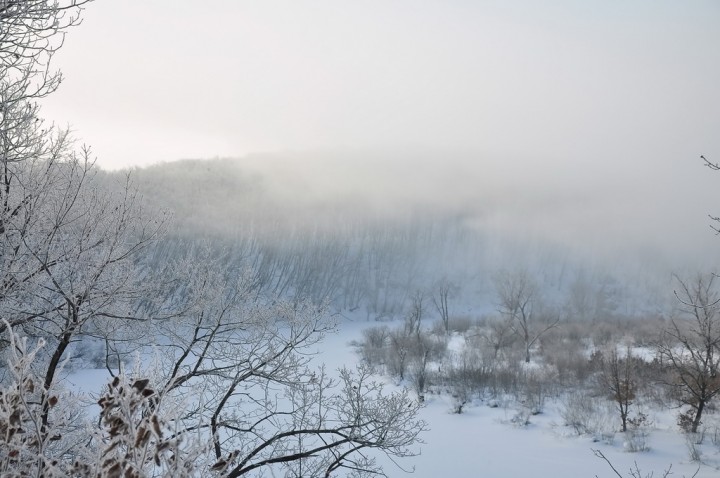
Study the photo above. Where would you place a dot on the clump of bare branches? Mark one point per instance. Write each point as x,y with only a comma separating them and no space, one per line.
635,471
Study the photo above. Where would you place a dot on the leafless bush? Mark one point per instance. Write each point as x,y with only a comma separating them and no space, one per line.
425,349
374,345
400,351
636,440
536,386
504,378
521,417
635,471
443,290
571,363
637,434
465,376
461,395
419,375
497,335
580,411
618,380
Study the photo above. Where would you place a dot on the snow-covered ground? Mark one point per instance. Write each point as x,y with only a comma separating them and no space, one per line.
483,441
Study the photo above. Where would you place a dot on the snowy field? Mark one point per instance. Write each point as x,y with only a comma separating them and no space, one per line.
484,442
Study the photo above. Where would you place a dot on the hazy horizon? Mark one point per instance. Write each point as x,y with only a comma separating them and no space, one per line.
616,226
558,82
581,121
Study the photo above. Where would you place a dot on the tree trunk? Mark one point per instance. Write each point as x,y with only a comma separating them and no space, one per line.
698,416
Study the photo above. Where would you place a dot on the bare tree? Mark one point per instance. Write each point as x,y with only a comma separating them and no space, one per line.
236,370
414,316
618,379
691,348
67,245
440,301
243,371
235,374
517,295
498,334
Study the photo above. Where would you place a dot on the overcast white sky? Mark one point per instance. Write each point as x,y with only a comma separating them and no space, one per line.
612,98
150,80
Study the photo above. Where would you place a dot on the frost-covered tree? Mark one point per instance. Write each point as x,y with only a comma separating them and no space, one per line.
231,368
244,368
67,245
691,349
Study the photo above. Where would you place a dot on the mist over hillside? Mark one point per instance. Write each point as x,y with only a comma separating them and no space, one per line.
590,208
320,224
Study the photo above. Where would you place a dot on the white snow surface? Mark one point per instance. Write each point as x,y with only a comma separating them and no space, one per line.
483,442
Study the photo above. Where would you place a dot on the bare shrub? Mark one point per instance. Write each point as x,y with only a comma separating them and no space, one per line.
521,417
374,345
580,412
426,348
572,365
504,379
398,356
635,471
466,376
419,375
636,441
497,334
536,386
636,436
